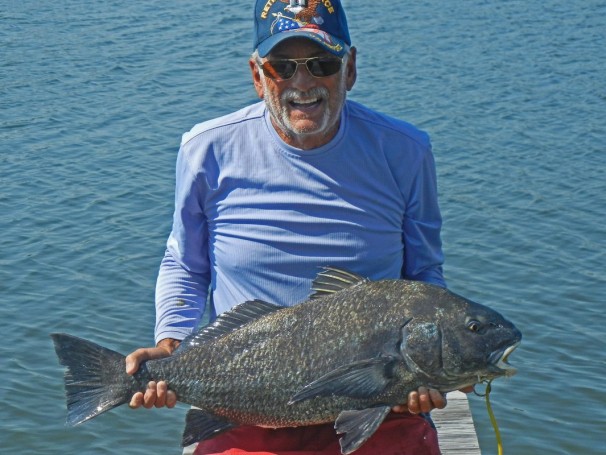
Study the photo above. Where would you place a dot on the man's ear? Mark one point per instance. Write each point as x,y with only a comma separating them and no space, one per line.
256,76
352,72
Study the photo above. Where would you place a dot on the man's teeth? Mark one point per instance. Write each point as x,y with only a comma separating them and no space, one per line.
305,102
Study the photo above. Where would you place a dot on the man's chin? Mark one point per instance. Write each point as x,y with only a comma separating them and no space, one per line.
306,130
307,127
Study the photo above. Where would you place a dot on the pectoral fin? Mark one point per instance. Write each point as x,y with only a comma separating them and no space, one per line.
361,379
200,425
358,426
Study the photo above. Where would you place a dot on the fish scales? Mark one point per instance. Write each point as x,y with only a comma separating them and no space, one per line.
272,380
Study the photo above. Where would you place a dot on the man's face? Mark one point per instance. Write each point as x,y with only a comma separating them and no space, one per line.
305,110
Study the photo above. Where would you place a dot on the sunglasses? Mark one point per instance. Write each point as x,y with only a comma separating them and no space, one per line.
286,68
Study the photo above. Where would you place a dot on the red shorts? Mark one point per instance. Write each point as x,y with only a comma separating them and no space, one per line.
399,434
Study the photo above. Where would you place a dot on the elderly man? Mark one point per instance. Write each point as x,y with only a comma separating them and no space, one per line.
303,179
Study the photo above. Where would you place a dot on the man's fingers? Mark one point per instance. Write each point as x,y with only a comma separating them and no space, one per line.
134,359
425,404
171,399
149,399
161,390
165,397
136,401
413,402
424,400
437,399
156,394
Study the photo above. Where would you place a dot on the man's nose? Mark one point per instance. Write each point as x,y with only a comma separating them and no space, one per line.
302,79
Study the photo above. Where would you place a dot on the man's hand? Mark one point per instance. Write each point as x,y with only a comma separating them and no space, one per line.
157,394
425,400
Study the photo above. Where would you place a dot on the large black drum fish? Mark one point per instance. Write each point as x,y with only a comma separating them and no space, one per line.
346,355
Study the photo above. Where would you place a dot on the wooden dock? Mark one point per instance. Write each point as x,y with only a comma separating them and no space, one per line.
456,432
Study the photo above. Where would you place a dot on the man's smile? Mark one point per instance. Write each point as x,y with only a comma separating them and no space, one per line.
306,103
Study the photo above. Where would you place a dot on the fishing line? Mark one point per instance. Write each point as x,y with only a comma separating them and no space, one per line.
493,420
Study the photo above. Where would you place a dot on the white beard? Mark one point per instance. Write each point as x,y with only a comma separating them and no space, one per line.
279,108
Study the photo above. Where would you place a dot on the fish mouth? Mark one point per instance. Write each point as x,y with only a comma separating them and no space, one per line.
500,360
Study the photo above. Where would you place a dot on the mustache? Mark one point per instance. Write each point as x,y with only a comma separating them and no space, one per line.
295,95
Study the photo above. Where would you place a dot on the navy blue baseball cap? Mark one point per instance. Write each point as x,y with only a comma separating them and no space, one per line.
321,21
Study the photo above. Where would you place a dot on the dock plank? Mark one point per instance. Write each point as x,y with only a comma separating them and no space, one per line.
456,431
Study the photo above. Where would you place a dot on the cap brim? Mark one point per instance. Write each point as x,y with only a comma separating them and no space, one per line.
328,42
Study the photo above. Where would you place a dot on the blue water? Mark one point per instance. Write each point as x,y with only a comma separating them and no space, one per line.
95,95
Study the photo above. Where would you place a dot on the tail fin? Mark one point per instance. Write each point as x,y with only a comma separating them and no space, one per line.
95,380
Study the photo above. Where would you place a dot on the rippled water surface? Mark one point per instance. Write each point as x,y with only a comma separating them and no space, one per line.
95,95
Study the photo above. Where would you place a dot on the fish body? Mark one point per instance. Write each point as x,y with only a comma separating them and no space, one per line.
346,355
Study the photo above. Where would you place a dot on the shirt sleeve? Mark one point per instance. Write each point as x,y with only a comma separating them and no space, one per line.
184,276
423,256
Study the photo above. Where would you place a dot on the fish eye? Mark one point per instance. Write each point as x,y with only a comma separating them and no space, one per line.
474,325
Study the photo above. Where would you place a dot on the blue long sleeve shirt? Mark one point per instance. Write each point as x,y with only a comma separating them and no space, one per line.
256,218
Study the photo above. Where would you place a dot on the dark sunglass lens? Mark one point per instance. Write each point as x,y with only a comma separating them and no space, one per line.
279,69
323,67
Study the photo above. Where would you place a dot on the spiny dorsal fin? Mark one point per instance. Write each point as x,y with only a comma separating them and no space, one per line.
333,279
231,320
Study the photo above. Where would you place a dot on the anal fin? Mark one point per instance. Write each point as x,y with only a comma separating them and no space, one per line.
358,426
201,425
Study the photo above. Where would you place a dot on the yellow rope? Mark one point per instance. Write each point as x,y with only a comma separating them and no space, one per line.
493,420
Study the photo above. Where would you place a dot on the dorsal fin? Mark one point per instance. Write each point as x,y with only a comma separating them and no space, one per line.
333,279
231,320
